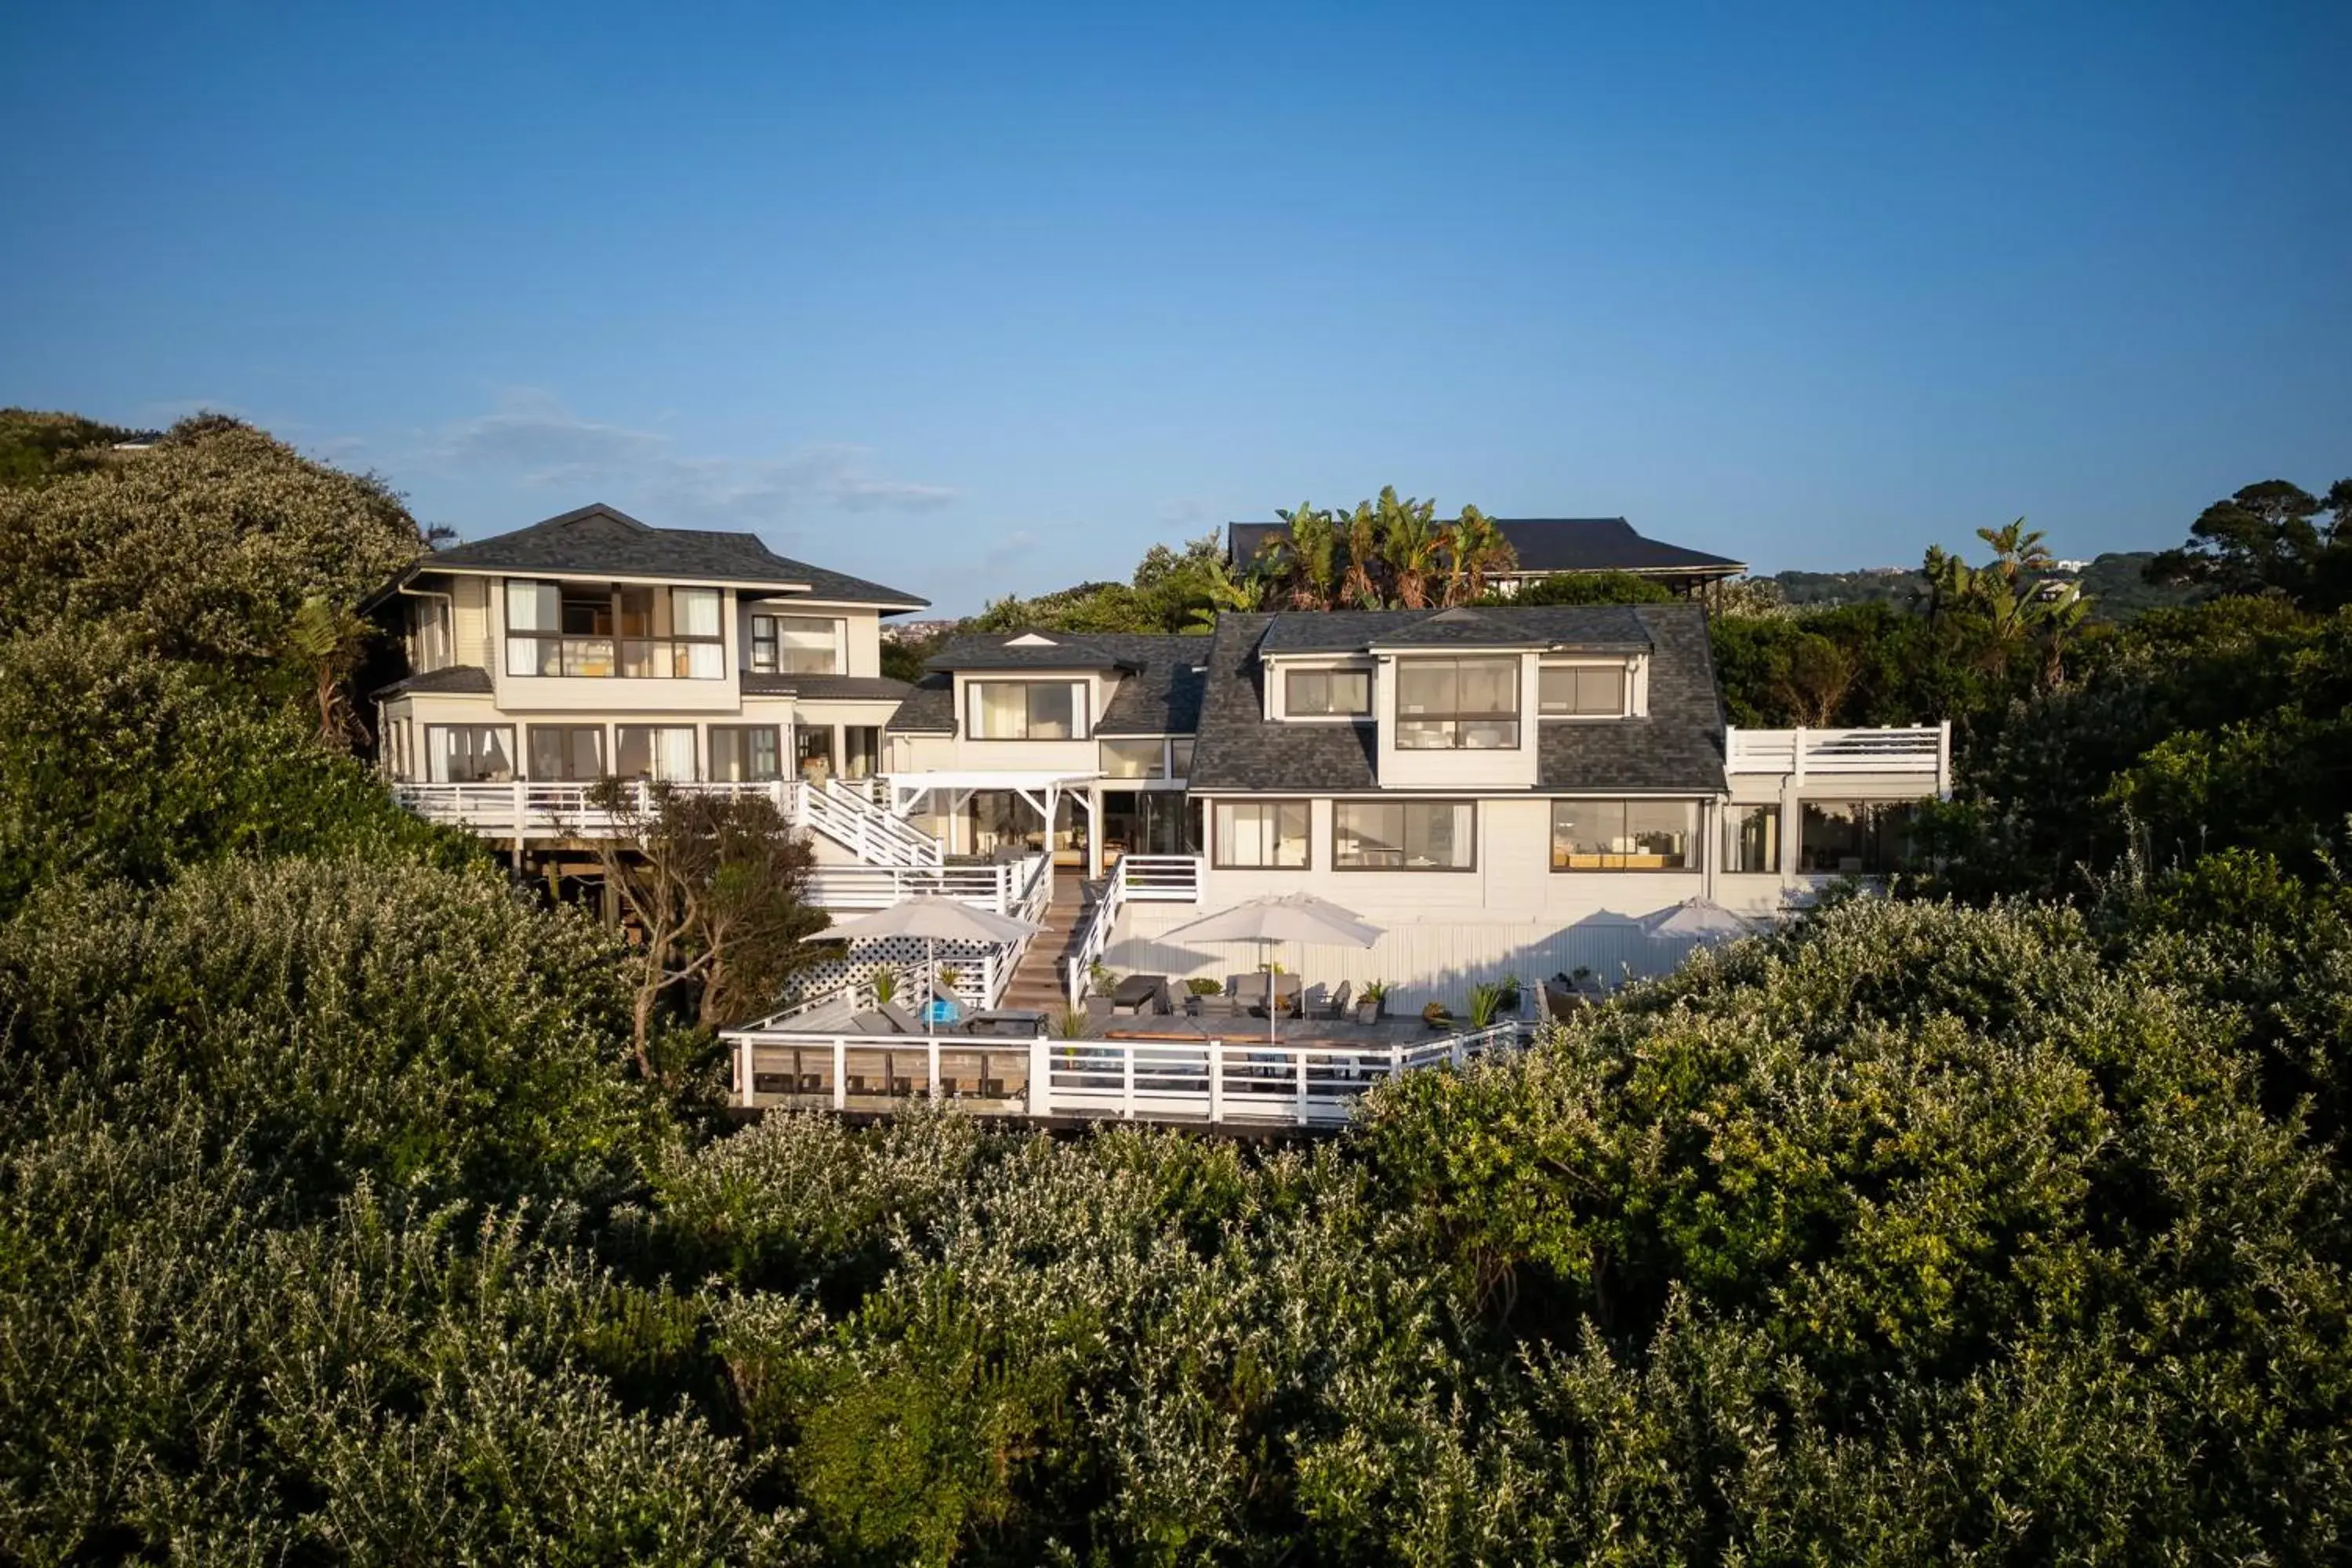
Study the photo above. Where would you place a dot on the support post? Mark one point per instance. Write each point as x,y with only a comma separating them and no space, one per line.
1041,1076
743,1071
1216,1082
1299,1059
1944,759
1127,1081
840,1073
1797,758
933,1046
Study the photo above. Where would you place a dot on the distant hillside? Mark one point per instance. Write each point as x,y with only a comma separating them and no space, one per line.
2112,582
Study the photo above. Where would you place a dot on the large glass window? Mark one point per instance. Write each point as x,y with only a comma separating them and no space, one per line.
1403,834
573,752
744,754
1855,837
1751,838
1135,758
1624,835
631,630
1028,711
1256,835
664,752
1326,693
1180,752
1582,689
796,645
1457,704
469,753
812,752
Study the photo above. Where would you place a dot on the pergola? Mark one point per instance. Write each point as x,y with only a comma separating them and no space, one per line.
950,789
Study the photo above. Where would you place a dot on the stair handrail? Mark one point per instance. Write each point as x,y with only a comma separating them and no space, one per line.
1094,937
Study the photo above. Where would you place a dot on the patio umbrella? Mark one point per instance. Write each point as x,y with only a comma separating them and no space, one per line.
1284,917
1697,919
935,917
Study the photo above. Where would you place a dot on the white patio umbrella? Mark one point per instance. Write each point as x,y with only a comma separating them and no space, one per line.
1281,917
1697,919
935,917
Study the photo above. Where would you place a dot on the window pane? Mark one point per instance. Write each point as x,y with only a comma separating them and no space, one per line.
533,606
1408,835
1489,686
763,643
1183,749
1583,688
744,753
1262,833
1002,711
1053,711
694,612
636,612
808,644
1751,838
1425,686
1133,759
1658,834
706,660
1588,835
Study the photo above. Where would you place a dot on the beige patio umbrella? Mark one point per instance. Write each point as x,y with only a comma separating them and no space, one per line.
1282,917
935,917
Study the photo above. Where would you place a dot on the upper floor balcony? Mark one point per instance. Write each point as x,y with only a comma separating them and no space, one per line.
1919,753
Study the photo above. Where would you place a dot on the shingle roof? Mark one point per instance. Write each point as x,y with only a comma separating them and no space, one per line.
1678,747
1597,627
1548,544
600,538
823,687
1159,691
1459,628
456,679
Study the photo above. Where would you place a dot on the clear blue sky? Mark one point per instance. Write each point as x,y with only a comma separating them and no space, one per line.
977,299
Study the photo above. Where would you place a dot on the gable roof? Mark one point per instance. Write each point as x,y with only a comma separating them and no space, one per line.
1677,748
598,539
1158,690
1597,628
1550,544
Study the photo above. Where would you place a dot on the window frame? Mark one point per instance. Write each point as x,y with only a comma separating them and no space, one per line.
1624,673
1735,815
1874,841
1328,675
1456,721
1694,835
613,654
694,771
773,661
1158,767
739,733
1219,848
604,752
1405,804
433,753
1082,725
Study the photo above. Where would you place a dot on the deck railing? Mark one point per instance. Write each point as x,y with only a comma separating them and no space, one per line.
1216,1082
1922,752
843,812
1162,879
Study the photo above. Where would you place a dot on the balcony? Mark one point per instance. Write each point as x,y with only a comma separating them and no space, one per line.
1921,753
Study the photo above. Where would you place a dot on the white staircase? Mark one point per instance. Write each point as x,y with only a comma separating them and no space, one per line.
854,821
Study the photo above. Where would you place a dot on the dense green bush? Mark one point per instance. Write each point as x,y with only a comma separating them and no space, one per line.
348,1019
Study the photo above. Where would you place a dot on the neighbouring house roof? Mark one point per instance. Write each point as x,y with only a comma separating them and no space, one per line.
603,539
1677,747
1550,544
457,679
1159,692
824,687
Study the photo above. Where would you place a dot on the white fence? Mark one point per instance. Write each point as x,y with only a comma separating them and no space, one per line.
1215,1082
528,809
1145,878
1921,752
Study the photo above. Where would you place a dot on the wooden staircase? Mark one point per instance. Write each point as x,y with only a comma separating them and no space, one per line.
1042,980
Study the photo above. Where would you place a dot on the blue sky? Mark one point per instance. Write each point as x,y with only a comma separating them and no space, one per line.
979,300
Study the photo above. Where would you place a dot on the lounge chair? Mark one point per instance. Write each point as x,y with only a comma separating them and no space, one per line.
1334,1006
1249,990
1216,1004
900,1019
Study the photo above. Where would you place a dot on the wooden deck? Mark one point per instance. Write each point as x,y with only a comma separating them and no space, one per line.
1159,1070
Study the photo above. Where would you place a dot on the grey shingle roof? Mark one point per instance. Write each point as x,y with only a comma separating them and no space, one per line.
1548,544
1000,650
600,538
1158,690
928,709
457,679
1459,628
1597,627
1677,747
820,688
1163,698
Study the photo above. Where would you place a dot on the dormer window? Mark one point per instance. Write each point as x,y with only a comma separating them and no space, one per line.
1581,691
1326,693
1028,709
1457,704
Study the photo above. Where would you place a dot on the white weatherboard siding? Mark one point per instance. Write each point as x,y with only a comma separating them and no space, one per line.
1447,930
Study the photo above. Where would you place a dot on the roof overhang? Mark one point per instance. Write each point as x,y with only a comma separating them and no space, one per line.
546,574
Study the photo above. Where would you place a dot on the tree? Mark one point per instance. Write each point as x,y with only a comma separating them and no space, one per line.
2267,538
1408,545
327,640
716,886
1474,549
1314,558
1360,586
205,546
1588,588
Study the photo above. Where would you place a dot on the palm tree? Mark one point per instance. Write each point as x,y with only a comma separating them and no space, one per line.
327,638
1230,590
1410,546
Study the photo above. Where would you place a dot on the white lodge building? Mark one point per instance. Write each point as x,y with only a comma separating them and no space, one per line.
1504,790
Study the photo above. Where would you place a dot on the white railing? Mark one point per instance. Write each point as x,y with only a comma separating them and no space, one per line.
1922,752
997,888
1032,901
1171,878
538,809
1218,1082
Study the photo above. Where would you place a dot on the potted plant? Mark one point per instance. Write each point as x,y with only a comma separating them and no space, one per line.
1435,1015
886,988
1100,979
1485,1004
1372,1002
1512,994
